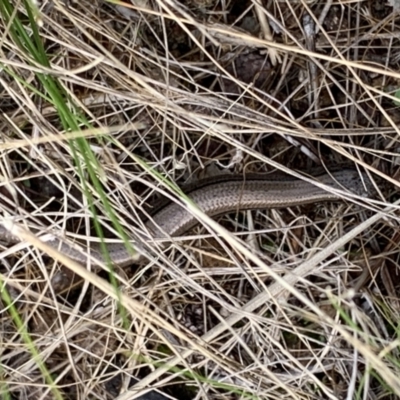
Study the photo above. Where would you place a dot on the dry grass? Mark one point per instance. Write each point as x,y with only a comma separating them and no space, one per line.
299,303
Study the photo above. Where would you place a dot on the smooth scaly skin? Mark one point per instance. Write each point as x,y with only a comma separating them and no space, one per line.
220,195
